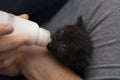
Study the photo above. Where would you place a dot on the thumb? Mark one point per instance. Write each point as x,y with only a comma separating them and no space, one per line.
25,16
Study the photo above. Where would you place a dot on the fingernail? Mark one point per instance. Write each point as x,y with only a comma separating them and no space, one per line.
8,28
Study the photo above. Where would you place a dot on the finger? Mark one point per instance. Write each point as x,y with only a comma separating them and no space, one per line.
12,42
7,54
25,16
5,29
8,61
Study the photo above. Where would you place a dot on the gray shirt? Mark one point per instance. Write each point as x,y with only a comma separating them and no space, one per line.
102,20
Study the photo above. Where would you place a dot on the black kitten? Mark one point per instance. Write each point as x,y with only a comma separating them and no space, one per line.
72,46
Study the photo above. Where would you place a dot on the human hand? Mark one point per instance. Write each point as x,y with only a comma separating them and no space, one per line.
9,46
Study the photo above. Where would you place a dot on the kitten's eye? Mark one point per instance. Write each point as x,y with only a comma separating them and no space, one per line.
61,31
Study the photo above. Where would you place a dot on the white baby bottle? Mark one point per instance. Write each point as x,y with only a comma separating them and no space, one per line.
36,35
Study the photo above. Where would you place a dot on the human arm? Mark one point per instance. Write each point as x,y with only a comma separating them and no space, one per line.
37,63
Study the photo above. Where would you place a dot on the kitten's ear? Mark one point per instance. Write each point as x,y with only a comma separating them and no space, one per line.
79,22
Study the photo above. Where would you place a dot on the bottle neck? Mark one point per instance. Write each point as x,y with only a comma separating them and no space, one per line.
43,37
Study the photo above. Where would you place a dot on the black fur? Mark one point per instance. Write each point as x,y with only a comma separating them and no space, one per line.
72,46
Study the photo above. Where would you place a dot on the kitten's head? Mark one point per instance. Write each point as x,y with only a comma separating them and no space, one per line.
71,45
